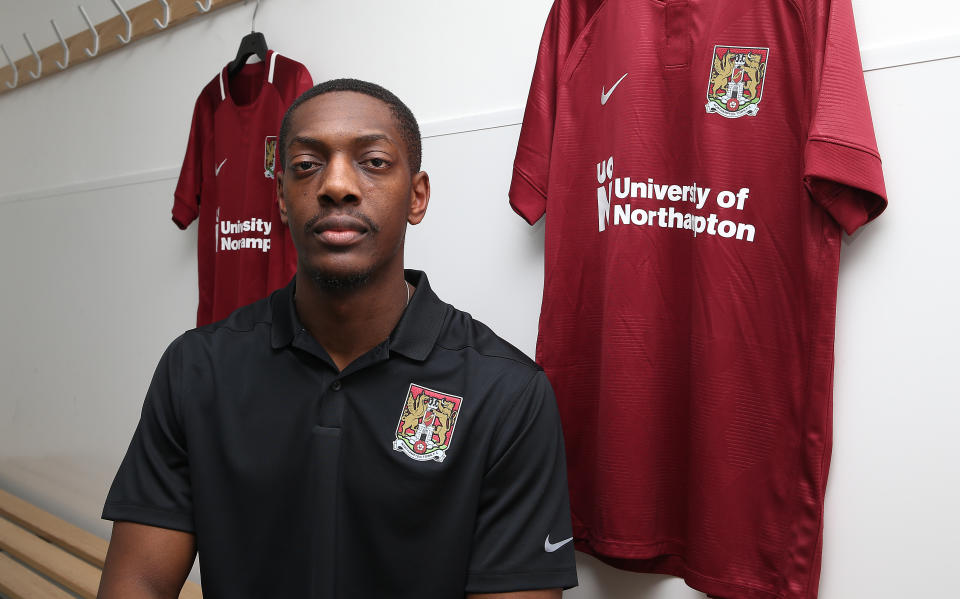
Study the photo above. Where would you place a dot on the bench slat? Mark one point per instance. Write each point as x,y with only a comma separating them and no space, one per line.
17,582
45,525
49,560
53,536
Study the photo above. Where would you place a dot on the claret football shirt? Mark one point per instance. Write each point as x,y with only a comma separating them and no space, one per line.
228,182
697,163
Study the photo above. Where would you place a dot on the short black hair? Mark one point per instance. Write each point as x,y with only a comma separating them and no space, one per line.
407,123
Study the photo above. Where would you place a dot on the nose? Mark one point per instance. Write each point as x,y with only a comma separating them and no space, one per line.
340,181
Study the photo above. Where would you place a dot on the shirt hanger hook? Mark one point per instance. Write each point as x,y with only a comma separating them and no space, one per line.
123,13
35,75
166,16
63,43
13,65
93,32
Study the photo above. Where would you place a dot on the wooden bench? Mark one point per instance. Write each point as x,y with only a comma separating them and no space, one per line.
42,556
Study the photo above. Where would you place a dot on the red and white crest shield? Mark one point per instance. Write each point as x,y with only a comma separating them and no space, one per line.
427,422
735,85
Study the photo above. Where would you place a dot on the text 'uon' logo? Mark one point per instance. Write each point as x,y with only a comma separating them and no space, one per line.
426,425
735,85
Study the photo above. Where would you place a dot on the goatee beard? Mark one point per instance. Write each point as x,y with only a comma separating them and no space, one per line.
339,282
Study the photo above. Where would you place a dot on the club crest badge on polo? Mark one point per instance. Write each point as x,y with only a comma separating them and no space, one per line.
269,156
735,85
427,422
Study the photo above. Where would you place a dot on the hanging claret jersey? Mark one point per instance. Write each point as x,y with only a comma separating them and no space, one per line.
228,181
697,162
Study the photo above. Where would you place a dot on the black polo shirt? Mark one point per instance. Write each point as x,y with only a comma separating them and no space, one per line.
431,466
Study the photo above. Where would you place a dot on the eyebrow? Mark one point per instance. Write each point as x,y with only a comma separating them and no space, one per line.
363,139
372,137
306,141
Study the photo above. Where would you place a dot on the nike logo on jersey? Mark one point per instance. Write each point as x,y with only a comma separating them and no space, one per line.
216,169
551,547
605,95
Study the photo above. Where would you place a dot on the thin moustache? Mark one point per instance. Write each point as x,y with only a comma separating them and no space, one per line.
354,221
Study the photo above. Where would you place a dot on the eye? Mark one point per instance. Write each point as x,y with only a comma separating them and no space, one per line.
377,163
301,166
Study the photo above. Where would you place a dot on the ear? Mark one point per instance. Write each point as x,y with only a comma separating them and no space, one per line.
419,197
281,202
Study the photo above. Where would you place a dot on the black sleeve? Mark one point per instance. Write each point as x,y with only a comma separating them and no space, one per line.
523,538
152,485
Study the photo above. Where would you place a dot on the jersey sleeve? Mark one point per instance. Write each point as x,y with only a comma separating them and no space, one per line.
304,81
152,485
286,255
523,535
186,197
841,163
292,79
531,167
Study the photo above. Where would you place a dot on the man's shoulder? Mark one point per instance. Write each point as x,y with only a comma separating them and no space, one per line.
464,333
250,319
242,340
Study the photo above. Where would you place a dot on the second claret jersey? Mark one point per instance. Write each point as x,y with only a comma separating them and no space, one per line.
697,163
228,183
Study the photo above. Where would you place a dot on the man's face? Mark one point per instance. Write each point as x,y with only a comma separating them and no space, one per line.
346,191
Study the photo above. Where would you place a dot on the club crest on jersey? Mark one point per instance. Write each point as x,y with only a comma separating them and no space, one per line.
269,156
426,425
735,85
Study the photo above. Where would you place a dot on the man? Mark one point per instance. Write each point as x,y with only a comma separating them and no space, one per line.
351,435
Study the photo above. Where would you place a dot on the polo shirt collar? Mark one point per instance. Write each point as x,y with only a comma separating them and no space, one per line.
284,322
415,333
419,327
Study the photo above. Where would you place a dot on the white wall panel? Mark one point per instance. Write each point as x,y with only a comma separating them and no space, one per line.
130,111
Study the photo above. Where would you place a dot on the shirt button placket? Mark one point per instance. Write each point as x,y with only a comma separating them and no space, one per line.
331,404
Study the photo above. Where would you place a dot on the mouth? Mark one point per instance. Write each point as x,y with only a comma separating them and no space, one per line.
340,230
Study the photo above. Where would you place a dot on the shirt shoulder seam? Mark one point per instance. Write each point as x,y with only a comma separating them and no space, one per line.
211,330
525,362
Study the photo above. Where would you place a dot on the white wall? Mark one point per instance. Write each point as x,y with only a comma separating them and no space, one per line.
97,280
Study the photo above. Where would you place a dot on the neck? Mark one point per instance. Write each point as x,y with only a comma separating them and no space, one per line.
349,323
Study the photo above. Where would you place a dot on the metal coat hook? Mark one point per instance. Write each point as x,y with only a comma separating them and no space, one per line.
13,65
35,55
123,13
93,32
66,49
253,21
166,16
202,7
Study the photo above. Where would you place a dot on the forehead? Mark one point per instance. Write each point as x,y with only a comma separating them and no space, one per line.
344,113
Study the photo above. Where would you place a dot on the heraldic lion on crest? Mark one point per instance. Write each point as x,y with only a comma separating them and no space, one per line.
415,409
753,66
444,415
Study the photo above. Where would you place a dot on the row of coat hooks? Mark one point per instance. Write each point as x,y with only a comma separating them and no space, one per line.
96,40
